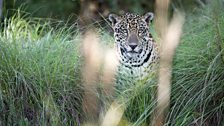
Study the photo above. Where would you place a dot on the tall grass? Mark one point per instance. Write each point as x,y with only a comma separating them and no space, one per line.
198,77
40,77
38,84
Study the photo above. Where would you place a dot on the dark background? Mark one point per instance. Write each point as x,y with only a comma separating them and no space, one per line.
91,9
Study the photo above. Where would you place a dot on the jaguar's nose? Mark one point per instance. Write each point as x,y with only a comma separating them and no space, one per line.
133,41
133,46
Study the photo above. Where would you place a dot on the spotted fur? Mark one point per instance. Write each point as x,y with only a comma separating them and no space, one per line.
135,46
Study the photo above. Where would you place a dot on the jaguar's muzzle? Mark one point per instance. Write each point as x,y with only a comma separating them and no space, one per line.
133,44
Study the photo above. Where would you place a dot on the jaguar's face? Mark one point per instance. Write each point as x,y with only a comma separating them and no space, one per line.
132,35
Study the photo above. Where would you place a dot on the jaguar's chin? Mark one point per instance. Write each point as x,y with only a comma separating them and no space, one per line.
132,52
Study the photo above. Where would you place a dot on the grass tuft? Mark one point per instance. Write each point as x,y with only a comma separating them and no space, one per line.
38,63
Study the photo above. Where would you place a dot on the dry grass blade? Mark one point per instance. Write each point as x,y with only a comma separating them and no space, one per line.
109,70
161,21
97,57
113,115
169,44
170,35
93,59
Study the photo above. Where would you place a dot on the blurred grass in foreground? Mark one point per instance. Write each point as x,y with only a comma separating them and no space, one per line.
40,78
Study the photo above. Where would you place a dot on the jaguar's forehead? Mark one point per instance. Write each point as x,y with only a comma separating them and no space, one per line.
131,16
132,20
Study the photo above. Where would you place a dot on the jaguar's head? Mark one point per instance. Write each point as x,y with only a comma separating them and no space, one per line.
132,37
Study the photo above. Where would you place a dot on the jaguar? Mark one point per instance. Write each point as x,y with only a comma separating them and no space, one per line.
136,48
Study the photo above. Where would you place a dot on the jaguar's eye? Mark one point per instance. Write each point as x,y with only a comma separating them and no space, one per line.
125,31
140,32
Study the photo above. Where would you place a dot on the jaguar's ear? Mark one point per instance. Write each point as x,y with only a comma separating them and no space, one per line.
148,17
113,18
